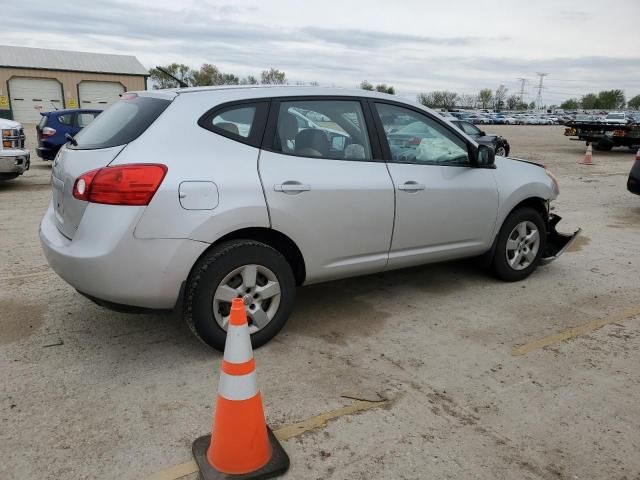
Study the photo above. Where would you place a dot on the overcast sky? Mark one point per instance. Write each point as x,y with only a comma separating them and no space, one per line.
415,45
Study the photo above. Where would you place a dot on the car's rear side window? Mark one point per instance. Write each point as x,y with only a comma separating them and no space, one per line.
243,122
121,123
66,119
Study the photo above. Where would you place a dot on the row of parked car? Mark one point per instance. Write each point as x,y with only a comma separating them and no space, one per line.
501,118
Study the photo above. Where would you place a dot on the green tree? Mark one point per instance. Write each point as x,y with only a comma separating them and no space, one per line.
485,97
571,104
178,70
532,105
589,101
384,88
364,85
634,103
611,99
207,75
273,76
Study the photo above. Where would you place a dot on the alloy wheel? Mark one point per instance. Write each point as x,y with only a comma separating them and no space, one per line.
523,244
259,289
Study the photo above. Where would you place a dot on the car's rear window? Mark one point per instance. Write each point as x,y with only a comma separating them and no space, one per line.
43,122
121,123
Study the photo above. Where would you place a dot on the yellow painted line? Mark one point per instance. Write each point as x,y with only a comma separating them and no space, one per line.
283,434
583,329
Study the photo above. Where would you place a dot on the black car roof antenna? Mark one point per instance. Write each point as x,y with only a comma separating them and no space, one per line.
180,82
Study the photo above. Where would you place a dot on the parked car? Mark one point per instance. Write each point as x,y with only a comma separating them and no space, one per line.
633,182
147,215
499,144
14,157
617,118
55,125
506,119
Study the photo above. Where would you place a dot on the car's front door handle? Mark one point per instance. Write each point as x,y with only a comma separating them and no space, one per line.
292,187
411,186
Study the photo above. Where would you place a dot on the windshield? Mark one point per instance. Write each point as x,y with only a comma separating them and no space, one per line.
121,123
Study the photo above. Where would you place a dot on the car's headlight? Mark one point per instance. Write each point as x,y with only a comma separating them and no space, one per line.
554,180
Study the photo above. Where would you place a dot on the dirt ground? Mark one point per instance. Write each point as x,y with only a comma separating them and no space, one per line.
89,393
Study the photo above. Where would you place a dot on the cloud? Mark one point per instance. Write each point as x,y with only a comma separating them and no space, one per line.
240,38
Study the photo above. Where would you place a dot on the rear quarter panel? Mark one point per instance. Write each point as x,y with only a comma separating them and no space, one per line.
192,153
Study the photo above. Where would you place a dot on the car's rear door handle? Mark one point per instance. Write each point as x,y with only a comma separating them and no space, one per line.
292,187
411,186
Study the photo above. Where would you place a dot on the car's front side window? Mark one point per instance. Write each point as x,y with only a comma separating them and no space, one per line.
422,141
333,129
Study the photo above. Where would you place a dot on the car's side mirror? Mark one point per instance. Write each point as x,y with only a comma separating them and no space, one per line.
482,134
486,157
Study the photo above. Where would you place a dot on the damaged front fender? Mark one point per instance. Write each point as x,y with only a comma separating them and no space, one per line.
557,243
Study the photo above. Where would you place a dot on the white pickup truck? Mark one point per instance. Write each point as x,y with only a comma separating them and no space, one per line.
14,158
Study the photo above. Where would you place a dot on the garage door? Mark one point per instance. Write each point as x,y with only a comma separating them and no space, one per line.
30,96
99,95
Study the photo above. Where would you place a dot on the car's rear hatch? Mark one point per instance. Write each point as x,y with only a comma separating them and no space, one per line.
96,146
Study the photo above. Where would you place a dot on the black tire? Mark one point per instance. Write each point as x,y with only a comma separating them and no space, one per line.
603,146
502,150
211,269
500,265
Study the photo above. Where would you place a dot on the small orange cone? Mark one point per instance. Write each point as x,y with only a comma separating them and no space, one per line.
241,445
588,156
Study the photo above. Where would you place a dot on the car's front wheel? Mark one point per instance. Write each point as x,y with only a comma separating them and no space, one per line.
246,269
520,244
501,151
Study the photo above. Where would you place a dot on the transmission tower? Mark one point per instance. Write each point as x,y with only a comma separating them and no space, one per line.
540,87
522,81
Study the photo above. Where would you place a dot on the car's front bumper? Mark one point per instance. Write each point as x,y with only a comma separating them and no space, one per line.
14,161
557,243
106,262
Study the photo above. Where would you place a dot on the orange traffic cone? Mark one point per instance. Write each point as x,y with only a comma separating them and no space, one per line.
588,156
241,445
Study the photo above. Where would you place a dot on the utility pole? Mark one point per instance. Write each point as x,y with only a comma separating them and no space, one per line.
540,87
522,81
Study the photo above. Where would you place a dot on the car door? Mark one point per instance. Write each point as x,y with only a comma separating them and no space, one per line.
445,207
326,185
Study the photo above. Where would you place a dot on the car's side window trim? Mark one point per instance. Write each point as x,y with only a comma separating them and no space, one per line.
269,140
256,133
386,150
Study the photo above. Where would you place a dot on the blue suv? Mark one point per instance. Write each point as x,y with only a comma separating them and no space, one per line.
54,125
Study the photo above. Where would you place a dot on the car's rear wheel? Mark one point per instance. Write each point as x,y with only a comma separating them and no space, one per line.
520,244
246,269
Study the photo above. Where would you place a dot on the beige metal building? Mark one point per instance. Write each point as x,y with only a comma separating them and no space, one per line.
34,80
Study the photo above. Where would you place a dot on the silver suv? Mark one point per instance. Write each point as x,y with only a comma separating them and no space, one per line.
189,198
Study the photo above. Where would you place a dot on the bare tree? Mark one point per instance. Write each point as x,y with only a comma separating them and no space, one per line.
466,100
500,97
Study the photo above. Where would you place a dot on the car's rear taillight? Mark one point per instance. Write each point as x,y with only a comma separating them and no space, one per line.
132,184
47,132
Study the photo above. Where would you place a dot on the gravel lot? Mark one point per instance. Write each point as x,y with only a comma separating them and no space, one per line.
89,393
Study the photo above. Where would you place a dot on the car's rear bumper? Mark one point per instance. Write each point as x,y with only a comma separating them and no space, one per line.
104,260
47,153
